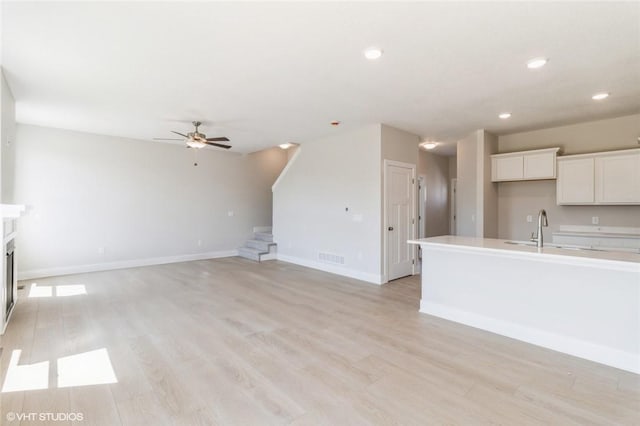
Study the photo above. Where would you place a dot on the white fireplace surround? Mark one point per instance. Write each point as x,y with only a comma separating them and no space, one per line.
10,213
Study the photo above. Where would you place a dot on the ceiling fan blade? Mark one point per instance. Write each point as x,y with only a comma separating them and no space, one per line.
219,145
184,136
166,139
222,139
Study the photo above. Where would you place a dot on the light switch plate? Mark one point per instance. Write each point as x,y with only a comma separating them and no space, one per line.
529,218
595,220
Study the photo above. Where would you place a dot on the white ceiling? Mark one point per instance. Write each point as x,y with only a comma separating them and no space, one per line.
267,73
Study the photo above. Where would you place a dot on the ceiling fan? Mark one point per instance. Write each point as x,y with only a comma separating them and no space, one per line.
196,139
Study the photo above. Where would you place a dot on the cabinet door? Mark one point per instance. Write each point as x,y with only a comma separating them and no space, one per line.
540,166
575,184
618,179
506,168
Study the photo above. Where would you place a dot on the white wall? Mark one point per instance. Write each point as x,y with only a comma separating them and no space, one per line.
328,176
592,136
487,190
453,167
398,145
7,141
476,200
467,152
516,200
435,169
138,200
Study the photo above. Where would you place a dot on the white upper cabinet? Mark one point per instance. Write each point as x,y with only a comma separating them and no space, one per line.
575,181
599,178
540,166
618,178
526,165
507,168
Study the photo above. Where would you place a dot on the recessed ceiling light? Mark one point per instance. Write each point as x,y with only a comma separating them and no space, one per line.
505,115
536,63
373,53
600,96
429,145
285,145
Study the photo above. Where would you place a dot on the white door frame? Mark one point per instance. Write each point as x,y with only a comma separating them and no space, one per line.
385,225
453,218
422,211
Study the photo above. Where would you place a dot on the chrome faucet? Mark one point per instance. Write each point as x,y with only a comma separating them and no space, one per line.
542,221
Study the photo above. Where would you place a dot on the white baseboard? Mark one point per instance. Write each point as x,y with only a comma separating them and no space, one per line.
345,272
122,264
561,343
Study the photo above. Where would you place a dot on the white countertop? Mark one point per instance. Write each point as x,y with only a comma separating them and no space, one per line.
631,260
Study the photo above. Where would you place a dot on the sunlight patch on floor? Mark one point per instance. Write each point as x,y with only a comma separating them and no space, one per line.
25,377
84,369
60,290
70,290
37,291
88,368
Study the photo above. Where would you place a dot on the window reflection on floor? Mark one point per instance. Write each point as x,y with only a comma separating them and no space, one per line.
25,377
88,368
60,290
84,369
37,291
70,290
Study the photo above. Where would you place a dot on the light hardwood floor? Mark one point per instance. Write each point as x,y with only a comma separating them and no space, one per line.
230,341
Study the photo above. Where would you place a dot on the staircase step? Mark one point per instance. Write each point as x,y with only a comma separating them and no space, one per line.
263,236
250,253
259,245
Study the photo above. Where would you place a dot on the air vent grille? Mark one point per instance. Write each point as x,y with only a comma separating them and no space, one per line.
331,258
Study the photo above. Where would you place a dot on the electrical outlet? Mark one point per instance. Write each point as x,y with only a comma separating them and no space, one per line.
595,220
230,213
199,243
101,250
529,218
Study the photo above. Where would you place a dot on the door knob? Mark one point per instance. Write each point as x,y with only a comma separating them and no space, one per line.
391,228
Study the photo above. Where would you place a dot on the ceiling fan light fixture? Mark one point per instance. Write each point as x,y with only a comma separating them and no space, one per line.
195,143
429,145
198,140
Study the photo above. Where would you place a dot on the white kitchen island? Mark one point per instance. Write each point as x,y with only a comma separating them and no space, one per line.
580,302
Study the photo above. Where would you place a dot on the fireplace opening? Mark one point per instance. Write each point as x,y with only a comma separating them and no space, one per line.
9,287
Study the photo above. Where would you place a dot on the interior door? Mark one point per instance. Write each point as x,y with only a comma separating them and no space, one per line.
400,201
